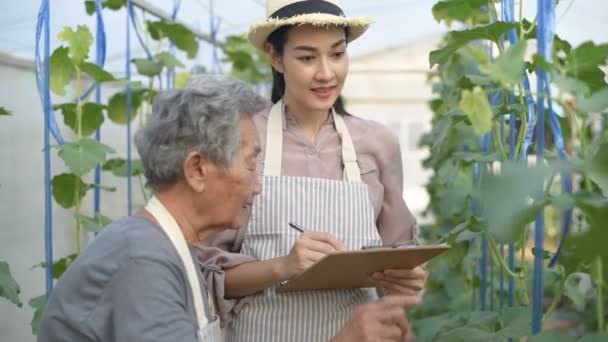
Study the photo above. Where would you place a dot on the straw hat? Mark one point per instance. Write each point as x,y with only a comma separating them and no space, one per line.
314,12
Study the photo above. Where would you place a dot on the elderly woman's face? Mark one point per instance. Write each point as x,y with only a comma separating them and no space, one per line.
232,191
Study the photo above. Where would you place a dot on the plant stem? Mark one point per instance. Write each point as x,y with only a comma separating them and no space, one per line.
599,284
502,262
499,143
556,299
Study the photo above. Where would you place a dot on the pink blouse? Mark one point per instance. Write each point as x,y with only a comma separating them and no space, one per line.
379,157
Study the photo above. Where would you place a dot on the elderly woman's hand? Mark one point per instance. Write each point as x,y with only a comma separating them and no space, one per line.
400,281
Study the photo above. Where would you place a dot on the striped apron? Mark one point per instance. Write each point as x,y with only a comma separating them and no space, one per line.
341,208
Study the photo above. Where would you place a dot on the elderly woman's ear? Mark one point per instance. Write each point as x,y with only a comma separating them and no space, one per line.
197,169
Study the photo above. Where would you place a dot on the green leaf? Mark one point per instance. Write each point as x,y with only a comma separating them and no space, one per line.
117,106
168,60
248,63
178,34
594,337
119,167
594,103
591,243
182,79
4,111
508,67
597,168
477,107
579,288
471,334
96,73
148,67
83,156
9,288
476,157
94,224
551,336
62,70
570,84
587,56
457,39
38,304
92,117
79,42
515,322
460,10
507,199
60,266
68,189
111,4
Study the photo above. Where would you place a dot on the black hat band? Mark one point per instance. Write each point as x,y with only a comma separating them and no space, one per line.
307,7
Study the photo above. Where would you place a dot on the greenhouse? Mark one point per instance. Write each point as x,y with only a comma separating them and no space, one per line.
304,170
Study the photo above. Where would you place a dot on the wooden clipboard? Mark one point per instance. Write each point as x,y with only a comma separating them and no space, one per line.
347,270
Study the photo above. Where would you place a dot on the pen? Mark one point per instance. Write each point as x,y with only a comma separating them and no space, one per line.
296,227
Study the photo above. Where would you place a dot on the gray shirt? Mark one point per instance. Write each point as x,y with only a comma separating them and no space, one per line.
128,285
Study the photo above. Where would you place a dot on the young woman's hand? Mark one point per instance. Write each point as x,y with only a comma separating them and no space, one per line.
381,321
400,281
309,248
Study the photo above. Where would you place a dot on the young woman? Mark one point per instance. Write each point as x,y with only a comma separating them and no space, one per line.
338,176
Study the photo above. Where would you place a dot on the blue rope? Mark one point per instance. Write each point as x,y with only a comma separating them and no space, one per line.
483,274
50,126
215,23
100,50
41,76
565,177
501,289
133,21
170,77
128,100
137,33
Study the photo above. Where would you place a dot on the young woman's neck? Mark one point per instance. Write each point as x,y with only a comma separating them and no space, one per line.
309,121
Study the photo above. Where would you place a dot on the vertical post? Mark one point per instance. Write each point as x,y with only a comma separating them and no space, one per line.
48,110
128,102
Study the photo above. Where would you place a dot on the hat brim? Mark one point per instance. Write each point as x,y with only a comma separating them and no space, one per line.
259,32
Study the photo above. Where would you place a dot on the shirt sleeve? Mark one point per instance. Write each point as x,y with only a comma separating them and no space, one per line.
217,254
396,223
149,302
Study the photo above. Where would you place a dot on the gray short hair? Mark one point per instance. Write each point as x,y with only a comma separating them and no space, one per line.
204,116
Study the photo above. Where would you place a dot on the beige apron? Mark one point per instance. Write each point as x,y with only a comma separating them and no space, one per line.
207,331
342,208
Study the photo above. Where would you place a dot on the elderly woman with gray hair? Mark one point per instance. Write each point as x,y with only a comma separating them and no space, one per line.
137,281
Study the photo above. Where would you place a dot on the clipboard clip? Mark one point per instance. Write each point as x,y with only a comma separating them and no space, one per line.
396,245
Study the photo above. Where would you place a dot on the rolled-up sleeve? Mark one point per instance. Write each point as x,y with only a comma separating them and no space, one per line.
396,223
217,254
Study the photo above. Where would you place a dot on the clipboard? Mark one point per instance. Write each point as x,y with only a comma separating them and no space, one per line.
351,269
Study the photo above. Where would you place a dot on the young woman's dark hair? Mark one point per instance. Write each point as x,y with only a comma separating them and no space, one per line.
277,39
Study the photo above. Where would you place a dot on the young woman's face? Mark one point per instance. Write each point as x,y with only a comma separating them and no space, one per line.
315,65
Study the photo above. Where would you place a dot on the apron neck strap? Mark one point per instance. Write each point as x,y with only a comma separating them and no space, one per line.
274,144
171,229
